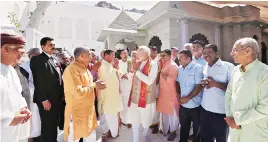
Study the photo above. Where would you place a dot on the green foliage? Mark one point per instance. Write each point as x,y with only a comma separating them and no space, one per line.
13,18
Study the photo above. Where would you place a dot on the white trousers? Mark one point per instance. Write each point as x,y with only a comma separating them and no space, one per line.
142,116
109,122
90,138
169,122
125,114
35,121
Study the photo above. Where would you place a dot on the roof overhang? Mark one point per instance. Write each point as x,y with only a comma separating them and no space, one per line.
121,32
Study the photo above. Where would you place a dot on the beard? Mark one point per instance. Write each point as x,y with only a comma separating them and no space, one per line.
141,59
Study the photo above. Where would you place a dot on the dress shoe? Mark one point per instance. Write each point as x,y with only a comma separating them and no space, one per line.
155,129
172,136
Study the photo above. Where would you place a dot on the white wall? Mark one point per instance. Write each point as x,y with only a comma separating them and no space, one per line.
175,34
201,27
162,30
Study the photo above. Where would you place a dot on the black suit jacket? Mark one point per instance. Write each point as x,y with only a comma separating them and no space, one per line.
177,61
46,80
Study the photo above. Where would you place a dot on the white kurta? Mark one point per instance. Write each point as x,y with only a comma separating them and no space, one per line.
11,104
125,87
35,121
145,116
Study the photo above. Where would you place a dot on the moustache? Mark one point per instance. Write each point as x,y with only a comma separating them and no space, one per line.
53,48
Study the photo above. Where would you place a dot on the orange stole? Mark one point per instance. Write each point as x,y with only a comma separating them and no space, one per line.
144,86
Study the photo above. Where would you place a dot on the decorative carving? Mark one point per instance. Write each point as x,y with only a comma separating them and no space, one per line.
155,41
200,37
263,52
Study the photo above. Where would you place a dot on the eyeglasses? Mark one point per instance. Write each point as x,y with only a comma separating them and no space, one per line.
238,49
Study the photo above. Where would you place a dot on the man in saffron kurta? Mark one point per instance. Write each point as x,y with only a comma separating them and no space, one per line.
143,93
80,116
109,99
167,103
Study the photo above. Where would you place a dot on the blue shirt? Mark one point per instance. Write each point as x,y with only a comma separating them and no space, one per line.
214,98
200,61
188,77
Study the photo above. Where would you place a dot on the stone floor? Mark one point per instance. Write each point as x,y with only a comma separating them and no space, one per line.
126,136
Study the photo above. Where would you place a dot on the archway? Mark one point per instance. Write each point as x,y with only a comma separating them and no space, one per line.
200,37
263,52
155,41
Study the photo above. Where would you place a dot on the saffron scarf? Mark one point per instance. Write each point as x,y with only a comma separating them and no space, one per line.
144,87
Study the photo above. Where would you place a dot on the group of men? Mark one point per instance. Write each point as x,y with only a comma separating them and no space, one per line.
167,91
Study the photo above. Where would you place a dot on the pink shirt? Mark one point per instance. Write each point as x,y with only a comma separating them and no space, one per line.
167,100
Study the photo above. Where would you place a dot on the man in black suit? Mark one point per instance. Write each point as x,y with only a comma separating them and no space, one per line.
48,92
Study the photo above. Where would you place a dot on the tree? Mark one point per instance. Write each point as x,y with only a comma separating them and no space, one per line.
38,14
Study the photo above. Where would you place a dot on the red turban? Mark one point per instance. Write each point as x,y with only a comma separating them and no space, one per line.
7,38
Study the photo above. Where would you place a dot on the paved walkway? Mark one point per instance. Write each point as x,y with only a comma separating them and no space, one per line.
126,136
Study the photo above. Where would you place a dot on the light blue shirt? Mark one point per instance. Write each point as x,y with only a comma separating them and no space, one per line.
188,77
200,61
214,98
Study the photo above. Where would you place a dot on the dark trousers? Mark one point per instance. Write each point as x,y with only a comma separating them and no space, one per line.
188,115
61,115
213,126
49,122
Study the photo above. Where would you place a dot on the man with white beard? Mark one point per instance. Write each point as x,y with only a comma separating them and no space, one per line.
143,93
125,86
14,111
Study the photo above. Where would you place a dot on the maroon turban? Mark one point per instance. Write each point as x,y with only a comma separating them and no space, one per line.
7,38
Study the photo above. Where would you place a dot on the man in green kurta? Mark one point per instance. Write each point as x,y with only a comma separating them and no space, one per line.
247,94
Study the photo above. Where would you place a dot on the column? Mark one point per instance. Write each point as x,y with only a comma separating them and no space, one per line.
184,31
217,35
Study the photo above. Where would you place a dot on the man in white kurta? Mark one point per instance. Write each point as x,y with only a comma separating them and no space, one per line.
14,111
125,86
35,121
143,95
247,95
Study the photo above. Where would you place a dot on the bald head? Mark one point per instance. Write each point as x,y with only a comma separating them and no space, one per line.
79,50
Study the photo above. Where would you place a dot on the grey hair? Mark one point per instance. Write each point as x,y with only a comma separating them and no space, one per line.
34,51
145,49
188,44
248,42
79,50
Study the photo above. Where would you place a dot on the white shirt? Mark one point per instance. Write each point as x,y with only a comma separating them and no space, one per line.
125,84
152,75
123,67
58,69
12,102
214,98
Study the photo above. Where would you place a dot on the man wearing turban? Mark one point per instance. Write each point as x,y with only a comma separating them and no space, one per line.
14,111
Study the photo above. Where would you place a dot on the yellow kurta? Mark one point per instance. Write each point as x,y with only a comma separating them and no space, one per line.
110,101
79,97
